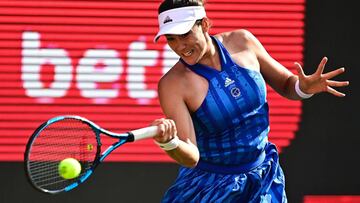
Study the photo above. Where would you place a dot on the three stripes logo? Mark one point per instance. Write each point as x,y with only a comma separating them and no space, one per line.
228,81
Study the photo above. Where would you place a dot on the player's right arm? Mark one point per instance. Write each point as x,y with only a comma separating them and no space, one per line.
178,121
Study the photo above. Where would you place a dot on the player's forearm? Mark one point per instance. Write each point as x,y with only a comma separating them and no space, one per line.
288,89
186,154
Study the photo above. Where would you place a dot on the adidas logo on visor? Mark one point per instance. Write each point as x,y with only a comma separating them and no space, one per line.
167,20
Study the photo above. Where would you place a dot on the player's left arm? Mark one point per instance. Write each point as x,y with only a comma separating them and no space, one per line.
283,81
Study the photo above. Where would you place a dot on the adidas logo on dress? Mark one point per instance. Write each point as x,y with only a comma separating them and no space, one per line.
228,81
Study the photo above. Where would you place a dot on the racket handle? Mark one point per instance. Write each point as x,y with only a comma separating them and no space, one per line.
144,133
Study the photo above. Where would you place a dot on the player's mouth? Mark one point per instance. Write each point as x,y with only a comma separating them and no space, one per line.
187,54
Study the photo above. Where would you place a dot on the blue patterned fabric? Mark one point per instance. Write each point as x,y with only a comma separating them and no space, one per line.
237,163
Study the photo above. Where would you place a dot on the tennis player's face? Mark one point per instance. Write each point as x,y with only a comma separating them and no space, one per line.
190,46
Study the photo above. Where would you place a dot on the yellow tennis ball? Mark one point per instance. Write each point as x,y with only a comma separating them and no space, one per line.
69,168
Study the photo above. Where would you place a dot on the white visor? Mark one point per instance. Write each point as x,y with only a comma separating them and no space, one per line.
179,21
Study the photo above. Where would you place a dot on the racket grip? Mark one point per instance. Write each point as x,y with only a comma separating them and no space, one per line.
144,133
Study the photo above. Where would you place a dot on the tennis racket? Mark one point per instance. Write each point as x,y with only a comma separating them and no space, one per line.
70,137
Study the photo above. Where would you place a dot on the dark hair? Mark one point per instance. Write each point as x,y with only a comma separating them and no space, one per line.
171,4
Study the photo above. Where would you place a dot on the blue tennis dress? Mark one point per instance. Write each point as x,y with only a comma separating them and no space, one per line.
237,163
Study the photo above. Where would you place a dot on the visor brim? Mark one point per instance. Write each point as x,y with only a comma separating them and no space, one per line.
177,28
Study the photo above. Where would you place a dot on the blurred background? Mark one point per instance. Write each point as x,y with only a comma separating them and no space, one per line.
96,59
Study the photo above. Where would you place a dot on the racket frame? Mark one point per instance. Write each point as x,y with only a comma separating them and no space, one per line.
123,138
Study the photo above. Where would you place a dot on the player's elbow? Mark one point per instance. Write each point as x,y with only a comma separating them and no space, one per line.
190,160
186,155
191,163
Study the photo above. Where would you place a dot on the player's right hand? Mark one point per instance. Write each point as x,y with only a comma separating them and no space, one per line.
167,130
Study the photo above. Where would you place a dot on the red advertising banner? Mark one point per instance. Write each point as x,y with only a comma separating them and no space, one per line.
96,59
331,199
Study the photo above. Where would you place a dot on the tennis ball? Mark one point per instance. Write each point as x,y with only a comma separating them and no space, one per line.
69,168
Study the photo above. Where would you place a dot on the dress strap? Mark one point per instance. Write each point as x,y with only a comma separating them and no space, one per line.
225,58
207,73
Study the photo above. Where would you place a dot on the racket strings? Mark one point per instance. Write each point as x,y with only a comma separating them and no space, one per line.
68,138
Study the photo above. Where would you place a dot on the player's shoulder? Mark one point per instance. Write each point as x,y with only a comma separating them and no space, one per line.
172,74
236,37
173,79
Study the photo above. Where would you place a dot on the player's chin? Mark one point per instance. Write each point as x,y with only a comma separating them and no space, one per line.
191,60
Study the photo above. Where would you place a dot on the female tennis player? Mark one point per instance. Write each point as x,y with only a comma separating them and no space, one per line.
214,99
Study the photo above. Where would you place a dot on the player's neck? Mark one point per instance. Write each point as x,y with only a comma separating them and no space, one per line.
211,57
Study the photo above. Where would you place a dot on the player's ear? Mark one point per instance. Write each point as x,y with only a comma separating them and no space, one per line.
205,24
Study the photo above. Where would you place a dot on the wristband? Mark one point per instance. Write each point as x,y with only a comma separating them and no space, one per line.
172,144
301,93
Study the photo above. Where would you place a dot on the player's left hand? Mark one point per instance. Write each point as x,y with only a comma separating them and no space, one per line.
319,81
